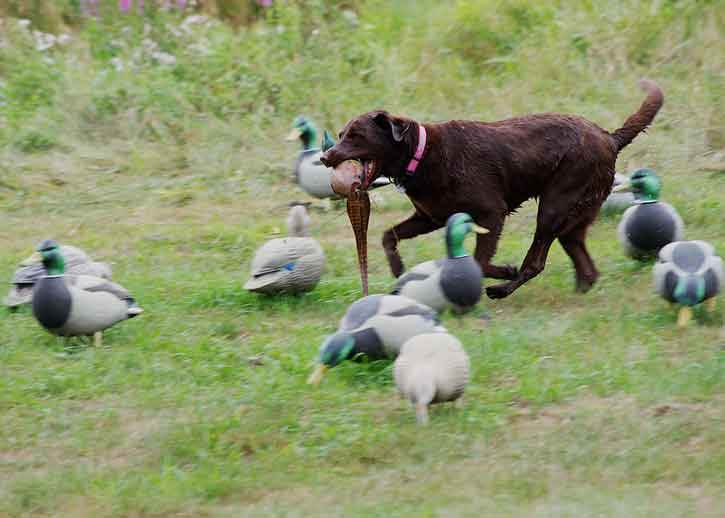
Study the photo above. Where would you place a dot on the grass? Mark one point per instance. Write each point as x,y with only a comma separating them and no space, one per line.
593,405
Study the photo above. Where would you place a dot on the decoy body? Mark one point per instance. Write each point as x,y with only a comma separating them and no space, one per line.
77,305
431,368
688,273
617,201
309,173
454,282
375,326
288,265
649,224
30,270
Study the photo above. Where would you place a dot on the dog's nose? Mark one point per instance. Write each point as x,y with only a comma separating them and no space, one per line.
325,159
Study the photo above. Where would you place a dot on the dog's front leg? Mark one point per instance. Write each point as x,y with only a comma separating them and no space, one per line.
415,225
486,248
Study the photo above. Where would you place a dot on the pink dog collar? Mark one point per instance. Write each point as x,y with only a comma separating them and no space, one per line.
422,137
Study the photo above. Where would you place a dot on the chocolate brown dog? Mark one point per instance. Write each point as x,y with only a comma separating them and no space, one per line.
488,170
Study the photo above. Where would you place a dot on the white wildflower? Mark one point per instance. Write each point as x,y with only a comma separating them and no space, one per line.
117,64
174,31
43,41
164,58
24,23
195,19
200,48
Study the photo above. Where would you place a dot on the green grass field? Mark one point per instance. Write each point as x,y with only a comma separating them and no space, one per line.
579,405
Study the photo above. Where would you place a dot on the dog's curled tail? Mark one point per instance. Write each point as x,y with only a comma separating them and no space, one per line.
639,120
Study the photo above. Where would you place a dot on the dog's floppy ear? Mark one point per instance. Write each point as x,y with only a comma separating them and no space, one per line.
398,127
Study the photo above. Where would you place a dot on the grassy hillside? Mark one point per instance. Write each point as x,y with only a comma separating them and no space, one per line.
156,143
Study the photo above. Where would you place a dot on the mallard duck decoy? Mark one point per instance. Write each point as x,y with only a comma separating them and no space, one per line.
455,281
431,368
617,201
29,271
688,273
309,173
291,264
649,224
77,305
376,326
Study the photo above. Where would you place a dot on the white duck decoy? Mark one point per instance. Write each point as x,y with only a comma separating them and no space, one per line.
309,173
375,326
77,305
431,368
29,271
617,201
454,282
649,224
688,273
288,265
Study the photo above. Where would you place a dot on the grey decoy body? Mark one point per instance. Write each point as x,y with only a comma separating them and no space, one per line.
454,282
77,262
376,327
649,224
309,173
687,274
77,305
431,368
617,201
291,264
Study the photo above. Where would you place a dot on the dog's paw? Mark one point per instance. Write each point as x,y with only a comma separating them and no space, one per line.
584,285
499,291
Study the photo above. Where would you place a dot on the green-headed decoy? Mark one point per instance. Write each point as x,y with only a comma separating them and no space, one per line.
309,173
30,270
291,264
375,327
688,273
649,224
454,282
431,368
77,305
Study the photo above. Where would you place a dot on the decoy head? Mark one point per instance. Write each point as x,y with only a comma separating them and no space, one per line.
644,184
48,252
335,349
689,290
327,141
304,130
457,228
298,222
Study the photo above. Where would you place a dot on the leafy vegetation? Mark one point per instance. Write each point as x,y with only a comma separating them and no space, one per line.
155,142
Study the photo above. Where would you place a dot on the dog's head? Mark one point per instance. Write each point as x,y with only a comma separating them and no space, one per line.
381,142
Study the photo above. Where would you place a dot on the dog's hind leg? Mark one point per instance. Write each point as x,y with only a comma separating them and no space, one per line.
415,225
574,245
